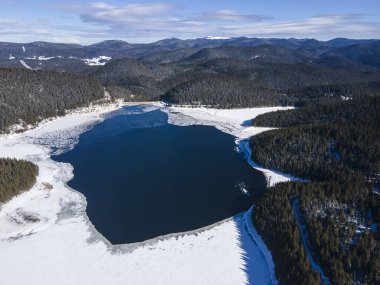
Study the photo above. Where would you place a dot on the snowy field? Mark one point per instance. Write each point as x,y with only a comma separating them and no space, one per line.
46,237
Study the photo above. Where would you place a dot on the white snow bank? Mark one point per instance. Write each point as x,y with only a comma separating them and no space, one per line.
255,56
46,237
272,176
235,122
101,60
25,65
259,262
42,57
217,38
11,57
304,237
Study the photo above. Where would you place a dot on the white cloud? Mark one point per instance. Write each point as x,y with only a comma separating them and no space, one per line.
104,12
321,27
155,19
231,16
152,21
165,20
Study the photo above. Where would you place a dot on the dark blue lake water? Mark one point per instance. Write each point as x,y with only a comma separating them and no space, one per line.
143,177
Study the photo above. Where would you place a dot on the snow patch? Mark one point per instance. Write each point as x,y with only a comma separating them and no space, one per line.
346,98
25,65
304,237
259,263
217,38
107,95
101,60
11,57
255,56
23,49
41,57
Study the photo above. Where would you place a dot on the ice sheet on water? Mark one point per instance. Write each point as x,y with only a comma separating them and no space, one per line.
60,141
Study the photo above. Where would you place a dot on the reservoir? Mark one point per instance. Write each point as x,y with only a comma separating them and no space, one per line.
143,177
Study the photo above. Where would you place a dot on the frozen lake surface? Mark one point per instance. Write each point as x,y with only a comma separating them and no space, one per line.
143,177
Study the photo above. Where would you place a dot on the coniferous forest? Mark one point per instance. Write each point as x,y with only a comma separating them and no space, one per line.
27,97
16,176
336,147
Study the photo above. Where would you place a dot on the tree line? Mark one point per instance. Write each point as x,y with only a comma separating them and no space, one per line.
27,96
337,147
230,77
16,176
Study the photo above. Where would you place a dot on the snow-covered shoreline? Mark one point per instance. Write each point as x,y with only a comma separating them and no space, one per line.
63,247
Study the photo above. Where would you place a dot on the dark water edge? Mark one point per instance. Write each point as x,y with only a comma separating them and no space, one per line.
144,178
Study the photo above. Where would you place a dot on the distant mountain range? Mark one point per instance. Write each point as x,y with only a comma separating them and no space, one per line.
84,59
219,72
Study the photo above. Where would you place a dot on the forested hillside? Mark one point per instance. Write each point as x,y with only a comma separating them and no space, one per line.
224,73
263,54
341,235
274,219
139,78
27,96
368,54
246,72
222,92
333,141
87,59
337,147
359,110
16,176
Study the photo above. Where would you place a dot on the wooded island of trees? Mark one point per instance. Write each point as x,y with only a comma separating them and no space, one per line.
16,176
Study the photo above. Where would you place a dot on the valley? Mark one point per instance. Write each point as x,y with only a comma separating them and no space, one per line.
278,137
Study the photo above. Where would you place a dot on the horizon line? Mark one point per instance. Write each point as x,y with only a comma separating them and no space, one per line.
211,38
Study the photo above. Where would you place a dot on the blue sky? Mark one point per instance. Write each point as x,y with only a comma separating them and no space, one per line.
88,21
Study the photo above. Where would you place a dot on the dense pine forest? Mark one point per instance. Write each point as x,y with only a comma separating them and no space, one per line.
16,176
337,147
341,222
222,92
27,97
357,111
329,142
274,219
